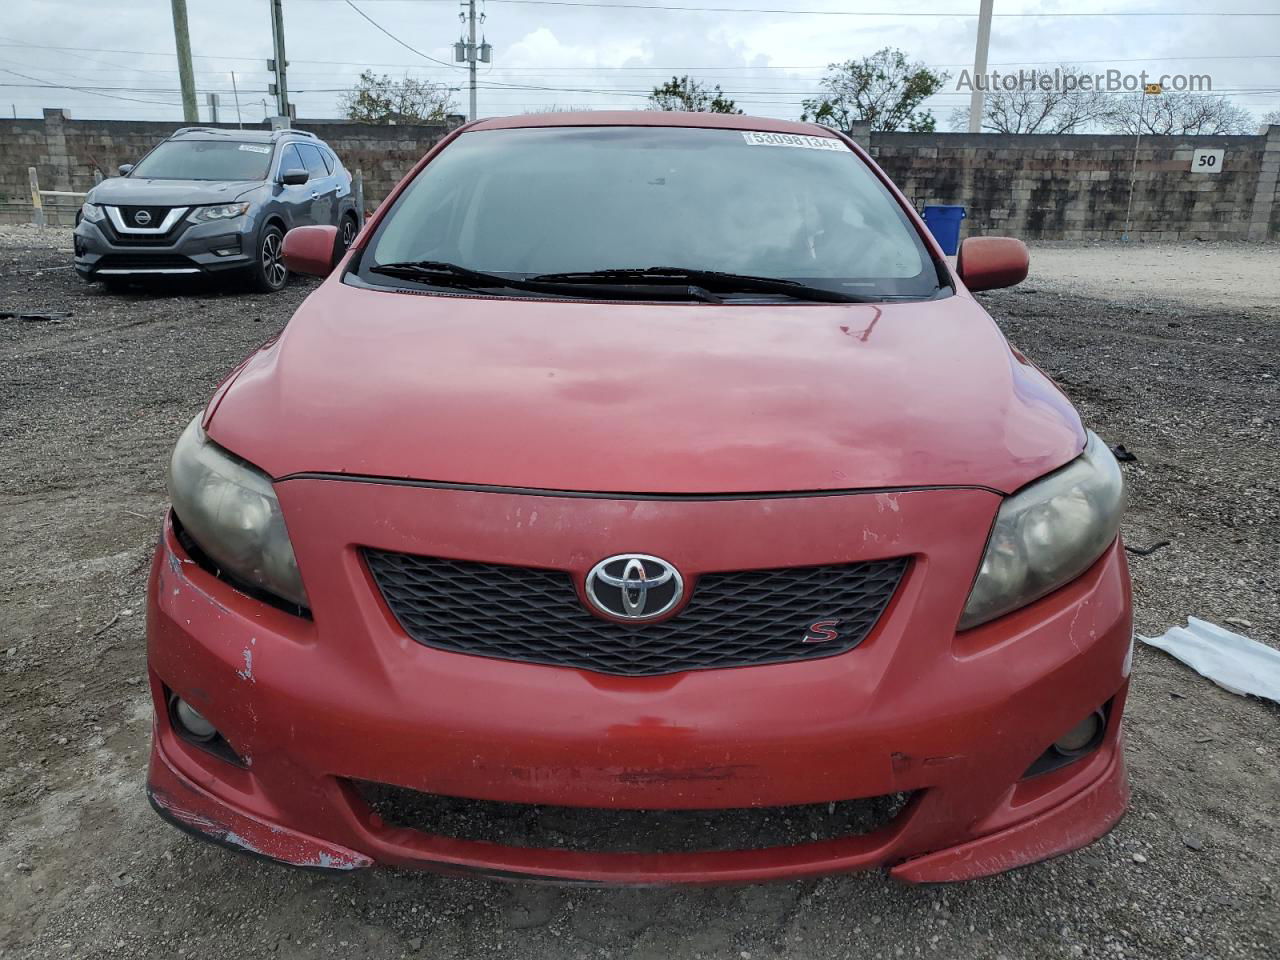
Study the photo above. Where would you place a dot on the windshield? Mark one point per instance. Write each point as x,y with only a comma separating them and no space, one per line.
532,201
205,160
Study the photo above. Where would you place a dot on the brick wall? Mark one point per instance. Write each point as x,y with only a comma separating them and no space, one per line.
1036,187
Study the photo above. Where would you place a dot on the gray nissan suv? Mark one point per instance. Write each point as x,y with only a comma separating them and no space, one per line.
213,201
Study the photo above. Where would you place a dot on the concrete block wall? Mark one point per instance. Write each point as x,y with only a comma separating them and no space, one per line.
1073,187
1076,187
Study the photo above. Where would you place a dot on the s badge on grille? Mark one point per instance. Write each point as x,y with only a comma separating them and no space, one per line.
142,218
634,586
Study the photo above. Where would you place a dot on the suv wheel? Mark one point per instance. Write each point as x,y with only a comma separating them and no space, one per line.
347,232
269,273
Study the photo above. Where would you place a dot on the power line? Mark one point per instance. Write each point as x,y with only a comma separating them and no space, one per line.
93,93
854,13
394,37
604,67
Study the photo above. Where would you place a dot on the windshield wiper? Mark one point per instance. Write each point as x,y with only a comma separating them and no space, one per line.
442,274
717,280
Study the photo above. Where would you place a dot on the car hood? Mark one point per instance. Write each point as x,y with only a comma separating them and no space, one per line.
645,398
131,191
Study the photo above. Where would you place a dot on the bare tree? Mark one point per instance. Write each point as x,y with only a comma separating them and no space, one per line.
1271,119
1057,106
884,90
560,108
685,93
1177,114
383,100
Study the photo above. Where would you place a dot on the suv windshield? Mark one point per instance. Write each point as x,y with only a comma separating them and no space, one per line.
205,160
528,202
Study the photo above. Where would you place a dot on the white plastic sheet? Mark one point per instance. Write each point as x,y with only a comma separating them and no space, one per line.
1232,661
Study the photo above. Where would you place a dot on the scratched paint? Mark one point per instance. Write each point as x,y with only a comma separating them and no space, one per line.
887,501
247,654
275,843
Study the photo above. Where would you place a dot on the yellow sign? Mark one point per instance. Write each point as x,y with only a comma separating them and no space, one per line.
1153,89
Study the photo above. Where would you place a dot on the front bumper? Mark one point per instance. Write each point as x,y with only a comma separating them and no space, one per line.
190,249
315,705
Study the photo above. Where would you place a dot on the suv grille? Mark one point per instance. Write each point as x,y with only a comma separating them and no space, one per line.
154,216
600,830
157,214
534,616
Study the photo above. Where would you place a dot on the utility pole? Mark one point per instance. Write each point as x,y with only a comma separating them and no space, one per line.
190,114
278,64
212,98
1150,90
467,50
235,92
980,65
471,54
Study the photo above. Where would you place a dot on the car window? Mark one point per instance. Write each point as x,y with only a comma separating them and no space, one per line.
311,157
330,161
205,160
290,159
552,199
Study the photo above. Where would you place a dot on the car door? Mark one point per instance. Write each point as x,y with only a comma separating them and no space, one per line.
295,199
324,205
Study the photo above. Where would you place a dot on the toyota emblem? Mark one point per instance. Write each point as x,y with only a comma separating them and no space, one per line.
634,586
142,218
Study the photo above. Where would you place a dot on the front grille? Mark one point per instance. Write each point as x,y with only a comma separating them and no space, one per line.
156,215
128,238
158,261
599,830
737,619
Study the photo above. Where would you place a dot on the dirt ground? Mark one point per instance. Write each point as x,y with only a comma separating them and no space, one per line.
1158,353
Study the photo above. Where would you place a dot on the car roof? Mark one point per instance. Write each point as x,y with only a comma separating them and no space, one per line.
244,136
654,118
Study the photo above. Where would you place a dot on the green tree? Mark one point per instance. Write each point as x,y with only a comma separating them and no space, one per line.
684,93
884,90
383,100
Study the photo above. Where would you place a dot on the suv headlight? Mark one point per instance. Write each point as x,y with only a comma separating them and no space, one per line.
1048,533
230,510
91,212
221,211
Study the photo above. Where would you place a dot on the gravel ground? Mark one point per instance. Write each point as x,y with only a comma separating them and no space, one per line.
91,403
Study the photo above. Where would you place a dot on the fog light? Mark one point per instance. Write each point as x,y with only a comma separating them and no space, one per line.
1082,736
192,723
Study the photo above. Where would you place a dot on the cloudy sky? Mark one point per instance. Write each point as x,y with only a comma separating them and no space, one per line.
114,58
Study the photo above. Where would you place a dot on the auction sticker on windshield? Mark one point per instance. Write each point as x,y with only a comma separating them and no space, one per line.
760,139
255,148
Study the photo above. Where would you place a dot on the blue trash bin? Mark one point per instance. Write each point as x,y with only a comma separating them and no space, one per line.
943,221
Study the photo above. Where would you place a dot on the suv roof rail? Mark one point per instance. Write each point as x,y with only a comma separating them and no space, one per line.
300,133
197,130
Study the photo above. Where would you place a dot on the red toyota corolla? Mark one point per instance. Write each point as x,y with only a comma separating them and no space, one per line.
642,499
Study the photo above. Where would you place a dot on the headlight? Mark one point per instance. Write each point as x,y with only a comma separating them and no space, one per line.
1048,534
221,211
91,212
230,509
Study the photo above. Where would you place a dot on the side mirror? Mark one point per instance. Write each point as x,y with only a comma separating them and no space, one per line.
314,250
987,263
294,176
124,169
